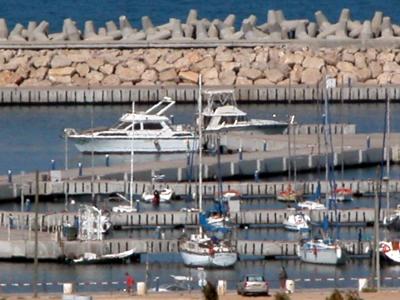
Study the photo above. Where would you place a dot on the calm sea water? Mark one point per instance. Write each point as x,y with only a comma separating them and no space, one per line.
101,11
30,137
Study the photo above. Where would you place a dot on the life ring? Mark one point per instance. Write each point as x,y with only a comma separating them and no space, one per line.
385,248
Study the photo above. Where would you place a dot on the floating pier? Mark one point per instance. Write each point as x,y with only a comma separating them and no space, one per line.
51,248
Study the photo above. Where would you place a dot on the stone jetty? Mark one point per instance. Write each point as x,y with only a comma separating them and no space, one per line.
221,66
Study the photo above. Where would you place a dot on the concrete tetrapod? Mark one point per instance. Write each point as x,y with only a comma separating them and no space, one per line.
3,30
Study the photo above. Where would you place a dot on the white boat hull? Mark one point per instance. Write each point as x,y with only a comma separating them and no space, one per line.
217,260
140,145
328,256
164,197
390,253
278,128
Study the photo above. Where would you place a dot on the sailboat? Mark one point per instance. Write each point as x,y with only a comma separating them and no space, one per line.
312,203
297,222
324,250
129,208
289,194
200,250
216,218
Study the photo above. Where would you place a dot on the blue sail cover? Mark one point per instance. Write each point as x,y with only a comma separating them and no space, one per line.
219,210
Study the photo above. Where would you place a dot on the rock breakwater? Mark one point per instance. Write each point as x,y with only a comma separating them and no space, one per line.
219,66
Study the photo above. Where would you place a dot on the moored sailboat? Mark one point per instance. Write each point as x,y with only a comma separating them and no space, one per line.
199,250
322,251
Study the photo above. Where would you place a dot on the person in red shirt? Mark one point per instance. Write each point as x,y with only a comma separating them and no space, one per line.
130,281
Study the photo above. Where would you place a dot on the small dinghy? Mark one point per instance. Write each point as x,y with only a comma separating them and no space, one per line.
93,258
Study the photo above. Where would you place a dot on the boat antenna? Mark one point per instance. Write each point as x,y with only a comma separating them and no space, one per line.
132,154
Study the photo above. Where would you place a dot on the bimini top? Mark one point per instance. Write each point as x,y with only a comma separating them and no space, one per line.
227,110
142,118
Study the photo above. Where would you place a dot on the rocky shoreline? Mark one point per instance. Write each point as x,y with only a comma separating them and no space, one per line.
221,66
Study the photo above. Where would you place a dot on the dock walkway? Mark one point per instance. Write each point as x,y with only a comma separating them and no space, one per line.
188,94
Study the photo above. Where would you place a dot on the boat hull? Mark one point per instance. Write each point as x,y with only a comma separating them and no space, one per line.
329,256
217,260
252,129
140,145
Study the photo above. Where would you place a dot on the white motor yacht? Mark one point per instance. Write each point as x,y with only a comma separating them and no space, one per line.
222,115
153,133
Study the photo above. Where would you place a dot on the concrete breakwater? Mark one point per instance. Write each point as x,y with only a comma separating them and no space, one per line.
179,69
194,29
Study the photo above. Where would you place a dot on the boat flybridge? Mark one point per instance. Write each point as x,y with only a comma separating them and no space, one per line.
222,114
152,133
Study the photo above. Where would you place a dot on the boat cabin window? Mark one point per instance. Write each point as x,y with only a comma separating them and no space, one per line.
112,134
242,119
152,126
227,120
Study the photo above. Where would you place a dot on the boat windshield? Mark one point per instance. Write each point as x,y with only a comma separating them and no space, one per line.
126,126
122,125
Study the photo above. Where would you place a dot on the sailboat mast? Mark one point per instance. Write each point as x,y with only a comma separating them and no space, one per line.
387,152
200,124
326,142
219,167
132,154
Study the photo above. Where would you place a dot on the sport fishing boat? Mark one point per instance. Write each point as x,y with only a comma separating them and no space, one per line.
152,131
390,251
199,250
322,251
297,222
223,115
